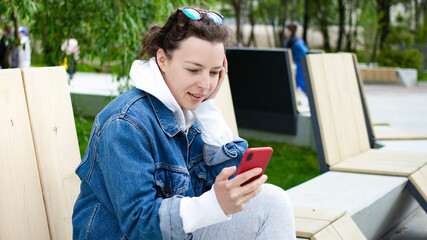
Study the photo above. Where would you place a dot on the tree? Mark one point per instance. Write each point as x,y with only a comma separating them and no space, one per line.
17,12
341,23
108,31
275,14
323,15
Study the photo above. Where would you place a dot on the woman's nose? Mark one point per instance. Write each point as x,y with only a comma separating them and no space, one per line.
204,82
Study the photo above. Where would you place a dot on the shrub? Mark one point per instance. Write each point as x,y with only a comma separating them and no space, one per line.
409,58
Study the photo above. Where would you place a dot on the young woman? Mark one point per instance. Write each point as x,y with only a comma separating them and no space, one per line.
160,158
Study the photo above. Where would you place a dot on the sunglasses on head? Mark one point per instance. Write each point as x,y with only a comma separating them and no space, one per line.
195,14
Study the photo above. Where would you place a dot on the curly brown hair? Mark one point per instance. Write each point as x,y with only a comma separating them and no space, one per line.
179,27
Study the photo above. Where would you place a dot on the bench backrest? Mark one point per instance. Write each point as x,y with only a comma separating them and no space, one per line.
263,87
224,102
22,211
41,157
336,107
55,141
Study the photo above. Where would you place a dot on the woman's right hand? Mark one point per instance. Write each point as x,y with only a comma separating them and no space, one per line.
231,196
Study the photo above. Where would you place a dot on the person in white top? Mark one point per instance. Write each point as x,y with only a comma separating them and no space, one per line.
161,160
24,54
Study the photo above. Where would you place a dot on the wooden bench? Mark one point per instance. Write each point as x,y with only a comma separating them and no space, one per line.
376,132
39,153
379,75
340,128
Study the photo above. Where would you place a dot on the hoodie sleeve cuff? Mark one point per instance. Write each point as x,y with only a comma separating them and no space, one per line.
203,211
212,125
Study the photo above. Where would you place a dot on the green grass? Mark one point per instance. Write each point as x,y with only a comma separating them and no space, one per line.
422,77
289,166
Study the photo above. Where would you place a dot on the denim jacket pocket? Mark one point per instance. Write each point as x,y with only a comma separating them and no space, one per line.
172,180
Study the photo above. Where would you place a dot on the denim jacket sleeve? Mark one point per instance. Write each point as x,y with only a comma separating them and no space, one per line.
126,159
217,158
215,155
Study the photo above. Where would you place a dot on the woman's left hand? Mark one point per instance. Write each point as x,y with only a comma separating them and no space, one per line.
222,75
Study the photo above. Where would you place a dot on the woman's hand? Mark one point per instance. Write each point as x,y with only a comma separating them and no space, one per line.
231,196
222,75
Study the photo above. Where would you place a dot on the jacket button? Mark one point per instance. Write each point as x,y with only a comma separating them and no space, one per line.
168,189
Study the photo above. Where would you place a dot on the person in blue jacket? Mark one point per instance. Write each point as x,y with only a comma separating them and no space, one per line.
160,161
299,49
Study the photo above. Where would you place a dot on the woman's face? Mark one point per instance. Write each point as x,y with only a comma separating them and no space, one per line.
193,70
288,32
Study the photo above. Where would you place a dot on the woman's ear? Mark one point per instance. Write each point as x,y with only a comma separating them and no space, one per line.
161,59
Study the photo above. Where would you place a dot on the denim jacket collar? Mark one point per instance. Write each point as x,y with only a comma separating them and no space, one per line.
167,120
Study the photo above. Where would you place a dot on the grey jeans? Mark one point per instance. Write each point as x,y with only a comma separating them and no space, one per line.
269,215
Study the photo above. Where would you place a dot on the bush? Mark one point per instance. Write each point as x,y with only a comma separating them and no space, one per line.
410,58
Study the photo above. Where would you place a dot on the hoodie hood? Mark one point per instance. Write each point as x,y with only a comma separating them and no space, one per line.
146,76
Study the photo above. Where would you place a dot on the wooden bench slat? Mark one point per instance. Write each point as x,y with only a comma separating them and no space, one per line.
316,213
323,105
56,144
386,133
347,229
329,233
22,211
419,179
383,162
224,102
308,227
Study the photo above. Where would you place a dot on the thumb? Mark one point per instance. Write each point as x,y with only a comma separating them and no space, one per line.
225,173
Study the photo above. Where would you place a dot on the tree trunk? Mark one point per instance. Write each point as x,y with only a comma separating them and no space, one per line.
341,32
417,18
306,20
252,22
424,9
282,21
237,10
294,10
384,8
323,22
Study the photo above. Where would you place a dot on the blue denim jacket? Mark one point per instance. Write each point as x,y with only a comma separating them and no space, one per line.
137,166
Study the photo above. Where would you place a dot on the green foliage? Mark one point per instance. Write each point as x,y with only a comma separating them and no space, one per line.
422,76
395,52
369,19
83,128
106,30
410,58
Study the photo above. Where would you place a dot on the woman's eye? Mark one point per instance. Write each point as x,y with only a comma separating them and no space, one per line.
215,73
192,70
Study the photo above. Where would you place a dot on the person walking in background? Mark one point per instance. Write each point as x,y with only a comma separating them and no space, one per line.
71,49
299,49
24,50
5,43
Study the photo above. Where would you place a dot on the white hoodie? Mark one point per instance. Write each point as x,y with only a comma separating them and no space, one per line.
195,212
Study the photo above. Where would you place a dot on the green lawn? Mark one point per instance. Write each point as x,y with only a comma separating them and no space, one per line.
289,166
422,77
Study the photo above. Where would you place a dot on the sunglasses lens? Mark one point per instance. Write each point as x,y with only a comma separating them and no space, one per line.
214,17
192,13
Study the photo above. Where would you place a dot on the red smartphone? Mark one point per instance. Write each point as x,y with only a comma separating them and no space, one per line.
253,158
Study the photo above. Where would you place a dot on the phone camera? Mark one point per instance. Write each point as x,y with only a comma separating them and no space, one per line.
249,157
